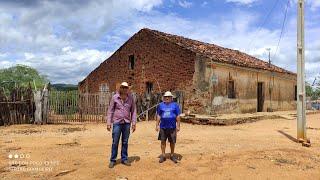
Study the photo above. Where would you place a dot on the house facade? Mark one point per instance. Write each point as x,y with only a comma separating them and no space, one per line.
214,79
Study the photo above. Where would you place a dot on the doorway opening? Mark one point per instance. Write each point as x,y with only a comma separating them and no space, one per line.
131,62
260,96
231,90
149,87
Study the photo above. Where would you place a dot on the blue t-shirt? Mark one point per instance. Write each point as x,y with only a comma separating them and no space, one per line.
168,114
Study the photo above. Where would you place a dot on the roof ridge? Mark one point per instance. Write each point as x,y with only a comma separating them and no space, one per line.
196,47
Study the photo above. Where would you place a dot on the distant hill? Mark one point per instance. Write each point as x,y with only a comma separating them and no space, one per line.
64,87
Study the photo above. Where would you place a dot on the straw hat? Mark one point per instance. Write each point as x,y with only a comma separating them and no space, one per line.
168,94
125,84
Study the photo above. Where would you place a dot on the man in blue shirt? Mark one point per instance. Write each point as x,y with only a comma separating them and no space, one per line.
168,124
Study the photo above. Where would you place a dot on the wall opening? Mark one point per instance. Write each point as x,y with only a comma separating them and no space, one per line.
149,87
104,88
260,96
131,62
231,90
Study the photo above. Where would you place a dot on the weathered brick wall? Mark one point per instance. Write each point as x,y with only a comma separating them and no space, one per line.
201,97
156,60
171,67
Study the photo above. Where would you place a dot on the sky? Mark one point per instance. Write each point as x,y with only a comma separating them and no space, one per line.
67,39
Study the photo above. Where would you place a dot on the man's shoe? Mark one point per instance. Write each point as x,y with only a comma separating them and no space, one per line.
126,163
174,159
111,164
162,159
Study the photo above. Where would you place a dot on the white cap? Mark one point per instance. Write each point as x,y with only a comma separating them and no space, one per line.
125,84
168,93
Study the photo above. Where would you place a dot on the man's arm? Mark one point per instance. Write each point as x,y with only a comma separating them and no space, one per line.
178,122
178,117
158,119
133,114
157,122
110,113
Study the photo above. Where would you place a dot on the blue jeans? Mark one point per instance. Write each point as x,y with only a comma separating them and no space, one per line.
117,130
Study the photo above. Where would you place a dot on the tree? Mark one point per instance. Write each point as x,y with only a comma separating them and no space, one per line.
317,93
21,75
313,92
309,90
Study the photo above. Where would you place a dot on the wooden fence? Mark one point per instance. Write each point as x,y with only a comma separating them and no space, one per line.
18,107
70,106
41,107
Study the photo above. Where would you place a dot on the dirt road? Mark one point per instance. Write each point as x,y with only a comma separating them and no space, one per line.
260,150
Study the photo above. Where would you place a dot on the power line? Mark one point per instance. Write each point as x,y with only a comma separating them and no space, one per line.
282,28
314,82
264,22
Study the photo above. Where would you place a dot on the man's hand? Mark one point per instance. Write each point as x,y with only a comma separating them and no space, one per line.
133,128
157,128
108,127
178,129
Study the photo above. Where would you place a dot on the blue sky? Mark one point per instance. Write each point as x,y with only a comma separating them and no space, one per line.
66,40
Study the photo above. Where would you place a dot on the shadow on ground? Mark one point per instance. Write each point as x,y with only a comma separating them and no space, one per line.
131,159
288,136
178,156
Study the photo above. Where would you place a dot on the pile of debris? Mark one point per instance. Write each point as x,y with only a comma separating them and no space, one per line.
233,119
225,120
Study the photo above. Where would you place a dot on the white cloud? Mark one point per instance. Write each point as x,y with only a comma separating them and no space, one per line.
68,39
246,2
6,64
204,3
141,5
66,49
2,55
63,39
315,4
28,56
184,3
68,67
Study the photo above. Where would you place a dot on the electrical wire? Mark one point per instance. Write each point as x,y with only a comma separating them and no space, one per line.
264,22
282,28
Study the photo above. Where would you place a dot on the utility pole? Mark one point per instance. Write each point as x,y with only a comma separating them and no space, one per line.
269,49
301,101
270,87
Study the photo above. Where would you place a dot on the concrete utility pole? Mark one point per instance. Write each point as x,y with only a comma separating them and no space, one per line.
301,101
270,87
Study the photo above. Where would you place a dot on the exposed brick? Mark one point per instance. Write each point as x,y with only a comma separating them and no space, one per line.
164,62
176,63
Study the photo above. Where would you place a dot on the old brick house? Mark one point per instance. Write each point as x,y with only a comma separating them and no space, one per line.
214,79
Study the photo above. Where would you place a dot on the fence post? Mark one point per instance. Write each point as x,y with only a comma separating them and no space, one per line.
38,112
45,105
147,114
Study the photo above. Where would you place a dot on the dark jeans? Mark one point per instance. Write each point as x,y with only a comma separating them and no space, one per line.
117,130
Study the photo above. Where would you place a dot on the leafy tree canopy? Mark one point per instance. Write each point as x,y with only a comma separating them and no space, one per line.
21,76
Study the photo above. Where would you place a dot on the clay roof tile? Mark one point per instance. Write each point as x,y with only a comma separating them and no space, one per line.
218,53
